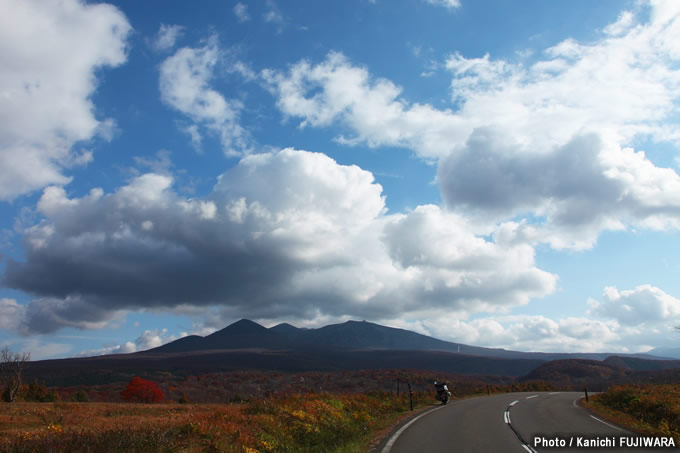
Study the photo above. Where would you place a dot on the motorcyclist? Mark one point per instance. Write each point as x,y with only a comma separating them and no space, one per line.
443,393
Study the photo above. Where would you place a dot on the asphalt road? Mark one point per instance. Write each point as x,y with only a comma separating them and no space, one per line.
510,423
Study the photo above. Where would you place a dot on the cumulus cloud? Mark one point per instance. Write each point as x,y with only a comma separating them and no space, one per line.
624,321
166,37
370,108
147,340
50,51
544,147
644,305
577,189
288,233
536,333
185,86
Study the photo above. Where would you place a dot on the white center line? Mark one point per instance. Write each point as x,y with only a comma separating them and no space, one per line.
514,402
532,396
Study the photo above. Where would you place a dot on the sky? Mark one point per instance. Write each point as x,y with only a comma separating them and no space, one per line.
487,172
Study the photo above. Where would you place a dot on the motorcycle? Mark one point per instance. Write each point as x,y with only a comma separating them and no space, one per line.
443,393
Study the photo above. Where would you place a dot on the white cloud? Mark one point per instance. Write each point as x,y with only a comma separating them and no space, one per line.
620,87
185,86
284,234
578,189
622,24
545,146
449,4
243,69
629,321
151,339
126,348
41,351
195,136
54,49
371,109
644,305
241,12
11,314
272,13
166,37
536,333
147,340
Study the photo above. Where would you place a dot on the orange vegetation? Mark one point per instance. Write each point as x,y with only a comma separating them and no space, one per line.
293,422
648,409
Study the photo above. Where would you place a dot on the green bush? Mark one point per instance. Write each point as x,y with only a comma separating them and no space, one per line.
80,396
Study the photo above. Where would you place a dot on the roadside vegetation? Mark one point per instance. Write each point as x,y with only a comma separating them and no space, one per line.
306,422
303,418
646,409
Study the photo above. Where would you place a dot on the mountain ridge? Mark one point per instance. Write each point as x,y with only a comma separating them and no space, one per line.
357,335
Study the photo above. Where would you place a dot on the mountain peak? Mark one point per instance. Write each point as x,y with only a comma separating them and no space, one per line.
241,327
284,327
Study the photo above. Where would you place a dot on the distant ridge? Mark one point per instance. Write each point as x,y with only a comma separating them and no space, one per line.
352,345
284,327
352,335
672,353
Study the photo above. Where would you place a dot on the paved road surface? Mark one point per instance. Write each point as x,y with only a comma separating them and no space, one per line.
505,423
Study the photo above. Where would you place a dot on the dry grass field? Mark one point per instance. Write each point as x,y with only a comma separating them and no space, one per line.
230,412
319,422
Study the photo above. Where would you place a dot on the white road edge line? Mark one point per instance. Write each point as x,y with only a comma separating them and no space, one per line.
532,396
393,439
602,421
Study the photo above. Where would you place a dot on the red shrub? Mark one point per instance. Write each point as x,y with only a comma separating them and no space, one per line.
143,391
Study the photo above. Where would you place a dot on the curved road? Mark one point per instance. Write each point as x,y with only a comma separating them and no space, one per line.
509,423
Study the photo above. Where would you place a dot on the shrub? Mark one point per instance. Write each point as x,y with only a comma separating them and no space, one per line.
143,391
654,406
80,396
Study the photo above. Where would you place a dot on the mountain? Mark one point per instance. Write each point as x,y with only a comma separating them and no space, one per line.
355,335
349,335
598,375
673,353
637,364
352,345
286,328
121,367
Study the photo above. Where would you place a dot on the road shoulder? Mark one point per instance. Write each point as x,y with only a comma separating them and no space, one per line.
383,436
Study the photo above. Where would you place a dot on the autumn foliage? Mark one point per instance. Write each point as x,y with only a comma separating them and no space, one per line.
142,391
649,409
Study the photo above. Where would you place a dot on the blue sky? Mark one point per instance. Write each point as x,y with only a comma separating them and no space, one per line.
484,172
